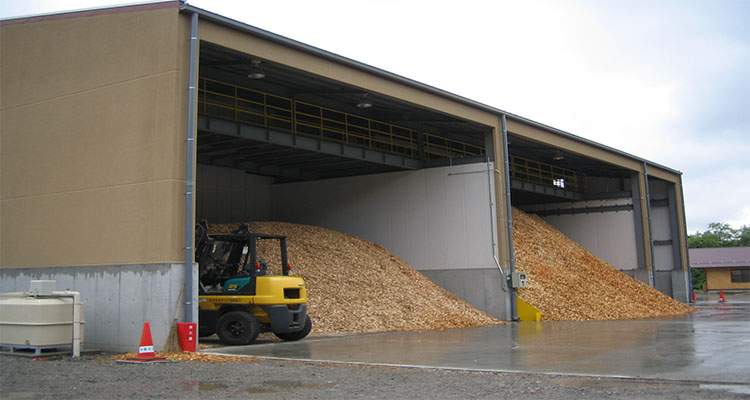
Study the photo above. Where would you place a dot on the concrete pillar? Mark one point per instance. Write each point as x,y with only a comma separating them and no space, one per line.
681,285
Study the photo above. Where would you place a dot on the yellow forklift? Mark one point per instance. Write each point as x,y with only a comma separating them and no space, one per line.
238,299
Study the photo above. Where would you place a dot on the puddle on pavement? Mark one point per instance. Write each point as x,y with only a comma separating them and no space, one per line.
600,383
211,386
205,386
280,386
610,383
738,389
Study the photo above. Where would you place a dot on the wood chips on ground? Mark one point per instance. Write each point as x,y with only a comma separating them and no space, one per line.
568,283
187,356
356,286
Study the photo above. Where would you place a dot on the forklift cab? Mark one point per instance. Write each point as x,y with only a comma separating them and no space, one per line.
233,257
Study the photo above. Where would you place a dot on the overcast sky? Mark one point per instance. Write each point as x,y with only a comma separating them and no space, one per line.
668,81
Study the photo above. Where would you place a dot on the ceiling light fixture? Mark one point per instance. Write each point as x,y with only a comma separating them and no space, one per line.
256,72
558,156
364,101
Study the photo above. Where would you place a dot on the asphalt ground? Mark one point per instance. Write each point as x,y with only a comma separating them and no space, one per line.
320,375
711,344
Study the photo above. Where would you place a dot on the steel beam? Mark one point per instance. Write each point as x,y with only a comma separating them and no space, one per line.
255,168
219,126
607,196
544,189
584,210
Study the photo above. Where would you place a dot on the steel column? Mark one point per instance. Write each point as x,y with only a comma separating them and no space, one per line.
649,265
674,227
682,239
490,160
191,290
640,241
509,215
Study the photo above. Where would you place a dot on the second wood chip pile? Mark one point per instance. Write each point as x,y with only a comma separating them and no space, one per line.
356,286
568,283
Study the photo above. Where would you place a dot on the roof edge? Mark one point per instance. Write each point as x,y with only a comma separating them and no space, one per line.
184,7
406,81
86,12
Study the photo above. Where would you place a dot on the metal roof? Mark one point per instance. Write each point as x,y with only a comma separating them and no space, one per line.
234,24
720,257
400,79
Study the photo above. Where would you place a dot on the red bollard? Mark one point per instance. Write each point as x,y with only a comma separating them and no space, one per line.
187,333
721,296
693,297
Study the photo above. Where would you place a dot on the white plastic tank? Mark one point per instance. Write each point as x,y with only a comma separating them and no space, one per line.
39,318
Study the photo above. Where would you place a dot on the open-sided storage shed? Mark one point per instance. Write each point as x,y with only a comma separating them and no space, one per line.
123,126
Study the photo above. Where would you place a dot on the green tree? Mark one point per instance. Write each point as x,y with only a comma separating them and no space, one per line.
744,236
720,235
699,278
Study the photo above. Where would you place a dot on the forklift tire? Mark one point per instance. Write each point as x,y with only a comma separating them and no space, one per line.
237,328
292,336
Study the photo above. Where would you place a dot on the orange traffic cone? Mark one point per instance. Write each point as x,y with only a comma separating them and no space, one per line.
146,350
721,296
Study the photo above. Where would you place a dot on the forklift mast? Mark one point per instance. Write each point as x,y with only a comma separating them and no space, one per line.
222,257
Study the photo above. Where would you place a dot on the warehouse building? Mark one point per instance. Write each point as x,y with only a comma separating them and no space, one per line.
727,268
121,127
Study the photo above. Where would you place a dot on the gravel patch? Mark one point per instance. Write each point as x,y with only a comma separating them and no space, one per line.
97,377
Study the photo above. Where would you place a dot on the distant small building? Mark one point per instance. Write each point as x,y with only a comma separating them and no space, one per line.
726,268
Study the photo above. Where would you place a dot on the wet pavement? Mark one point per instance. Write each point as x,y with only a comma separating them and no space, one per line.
711,345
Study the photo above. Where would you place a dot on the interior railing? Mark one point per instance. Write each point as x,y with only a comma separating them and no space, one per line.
241,104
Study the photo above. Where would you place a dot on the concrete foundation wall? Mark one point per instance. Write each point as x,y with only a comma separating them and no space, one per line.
680,286
641,275
117,299
482,288
663,282
637,274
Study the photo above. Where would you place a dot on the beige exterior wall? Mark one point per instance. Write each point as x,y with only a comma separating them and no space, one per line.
720,279
92,139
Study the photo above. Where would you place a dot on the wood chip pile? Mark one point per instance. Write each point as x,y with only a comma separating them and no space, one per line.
356,286
188,356
568,283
